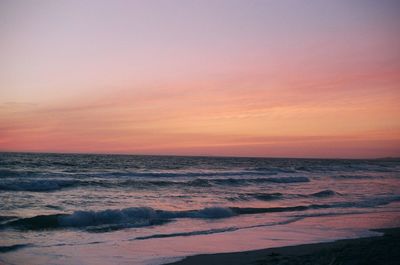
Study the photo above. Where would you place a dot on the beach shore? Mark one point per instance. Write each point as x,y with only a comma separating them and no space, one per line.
372,250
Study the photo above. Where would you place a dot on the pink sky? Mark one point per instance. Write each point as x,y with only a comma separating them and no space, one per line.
240,78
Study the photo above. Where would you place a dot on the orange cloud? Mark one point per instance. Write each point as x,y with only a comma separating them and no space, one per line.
221,118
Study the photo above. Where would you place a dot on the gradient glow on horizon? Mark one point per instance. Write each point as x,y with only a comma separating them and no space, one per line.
241,78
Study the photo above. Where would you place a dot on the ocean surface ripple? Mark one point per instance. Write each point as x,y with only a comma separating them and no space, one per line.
57,201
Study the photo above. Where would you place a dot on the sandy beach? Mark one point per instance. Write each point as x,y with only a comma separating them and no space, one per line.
371,250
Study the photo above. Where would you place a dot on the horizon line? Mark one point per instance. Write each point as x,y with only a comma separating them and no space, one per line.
204,155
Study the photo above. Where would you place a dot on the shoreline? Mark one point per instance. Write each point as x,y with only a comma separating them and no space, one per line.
375,250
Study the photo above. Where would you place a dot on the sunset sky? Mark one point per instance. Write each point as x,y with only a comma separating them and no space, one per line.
238,78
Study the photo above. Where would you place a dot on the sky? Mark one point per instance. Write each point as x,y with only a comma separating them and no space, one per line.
300,78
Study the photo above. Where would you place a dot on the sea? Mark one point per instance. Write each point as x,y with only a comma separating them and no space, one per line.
131,209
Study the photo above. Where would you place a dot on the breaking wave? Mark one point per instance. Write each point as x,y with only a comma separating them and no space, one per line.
145,216
114,219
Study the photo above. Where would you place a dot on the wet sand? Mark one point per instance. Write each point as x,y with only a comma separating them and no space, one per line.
367,251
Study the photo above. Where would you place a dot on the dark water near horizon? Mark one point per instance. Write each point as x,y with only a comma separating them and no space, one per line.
129,209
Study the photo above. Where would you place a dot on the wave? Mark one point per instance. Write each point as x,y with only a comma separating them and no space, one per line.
4,249
267,196
284,180
83,172
354,177
275,169
106,220
4,173
114,219
278,196
191,233
245,210
257,196
247,181
6,218
368,203
217,230
38,185
128,217
324,193
131,217
48,185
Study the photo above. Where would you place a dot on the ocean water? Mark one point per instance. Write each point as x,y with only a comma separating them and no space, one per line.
122,209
